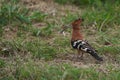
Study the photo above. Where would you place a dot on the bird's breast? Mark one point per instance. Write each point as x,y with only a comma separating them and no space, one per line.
76,36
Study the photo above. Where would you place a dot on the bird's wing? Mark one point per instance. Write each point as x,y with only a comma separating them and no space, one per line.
82,45
87,45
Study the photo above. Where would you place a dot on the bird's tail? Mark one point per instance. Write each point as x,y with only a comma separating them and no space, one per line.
95,55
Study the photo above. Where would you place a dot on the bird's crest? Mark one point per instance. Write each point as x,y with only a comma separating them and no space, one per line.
78,21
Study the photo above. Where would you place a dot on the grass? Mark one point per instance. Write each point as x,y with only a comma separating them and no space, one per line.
104,17
99,12
2,63
44,51
31,70
112,39
37,16
12,11
76,2
69,18
37,52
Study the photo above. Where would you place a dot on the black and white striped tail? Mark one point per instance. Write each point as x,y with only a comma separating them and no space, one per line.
84,46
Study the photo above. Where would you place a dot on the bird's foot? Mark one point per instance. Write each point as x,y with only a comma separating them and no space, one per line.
77,58
80,57
98,62
74,58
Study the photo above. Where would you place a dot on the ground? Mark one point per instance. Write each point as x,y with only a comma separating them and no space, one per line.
33,54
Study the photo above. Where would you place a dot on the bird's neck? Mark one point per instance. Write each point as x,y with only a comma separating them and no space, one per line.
76,35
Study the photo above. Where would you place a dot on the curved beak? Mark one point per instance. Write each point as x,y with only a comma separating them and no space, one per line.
64,27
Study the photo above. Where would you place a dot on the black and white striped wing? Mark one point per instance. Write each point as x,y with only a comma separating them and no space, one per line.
81,45
86,47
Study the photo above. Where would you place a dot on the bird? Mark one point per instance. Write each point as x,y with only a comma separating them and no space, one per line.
81,45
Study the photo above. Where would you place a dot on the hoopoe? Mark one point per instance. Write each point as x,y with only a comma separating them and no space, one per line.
79,44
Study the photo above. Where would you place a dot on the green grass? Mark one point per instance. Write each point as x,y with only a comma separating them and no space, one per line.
86,2
105,16
12,11
2,63
113,39
69,18
29,53
31,70
41,50
76,2
98,11
37,16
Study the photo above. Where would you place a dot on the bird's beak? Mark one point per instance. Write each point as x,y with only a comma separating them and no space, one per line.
64,27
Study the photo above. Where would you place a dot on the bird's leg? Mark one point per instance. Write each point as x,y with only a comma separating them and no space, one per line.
80,55
76,56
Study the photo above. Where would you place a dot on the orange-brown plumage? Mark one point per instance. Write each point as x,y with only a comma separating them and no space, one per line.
76,35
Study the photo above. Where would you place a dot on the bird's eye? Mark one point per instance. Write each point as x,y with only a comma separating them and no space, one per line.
82,19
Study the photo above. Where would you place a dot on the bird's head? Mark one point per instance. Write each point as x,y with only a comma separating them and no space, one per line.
76,23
